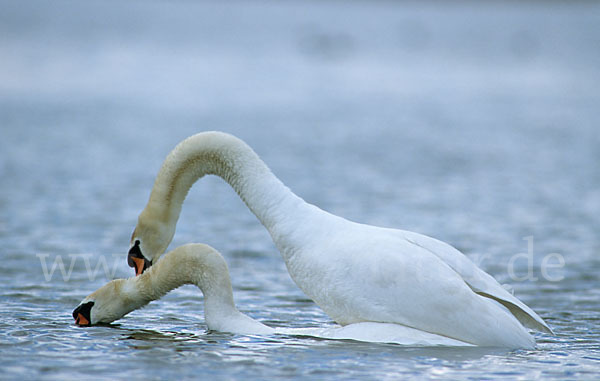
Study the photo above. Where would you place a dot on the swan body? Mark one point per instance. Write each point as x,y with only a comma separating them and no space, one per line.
356,273
204,267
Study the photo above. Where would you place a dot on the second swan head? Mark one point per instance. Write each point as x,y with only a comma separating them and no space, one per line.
149,240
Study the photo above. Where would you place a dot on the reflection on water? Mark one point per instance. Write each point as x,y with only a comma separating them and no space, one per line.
475,124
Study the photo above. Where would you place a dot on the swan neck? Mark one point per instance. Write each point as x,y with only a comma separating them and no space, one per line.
190,264
229,158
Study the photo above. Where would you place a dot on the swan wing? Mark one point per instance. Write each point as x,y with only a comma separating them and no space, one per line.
362,273
478,280
376,275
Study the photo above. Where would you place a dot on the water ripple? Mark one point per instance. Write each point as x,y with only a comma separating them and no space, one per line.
412,120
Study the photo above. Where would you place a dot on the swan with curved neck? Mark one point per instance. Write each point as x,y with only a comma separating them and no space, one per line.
204,267
354,272
196,264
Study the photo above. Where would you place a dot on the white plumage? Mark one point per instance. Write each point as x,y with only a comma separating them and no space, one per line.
356,273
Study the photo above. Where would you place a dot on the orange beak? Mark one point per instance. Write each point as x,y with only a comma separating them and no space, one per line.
139,265
136,259
81,320
82,314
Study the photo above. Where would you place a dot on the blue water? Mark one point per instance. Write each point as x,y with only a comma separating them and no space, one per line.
473,123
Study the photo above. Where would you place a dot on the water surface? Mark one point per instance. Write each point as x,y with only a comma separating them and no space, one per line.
475,124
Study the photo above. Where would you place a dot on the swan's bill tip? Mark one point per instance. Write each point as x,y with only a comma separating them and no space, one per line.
140,265
81,320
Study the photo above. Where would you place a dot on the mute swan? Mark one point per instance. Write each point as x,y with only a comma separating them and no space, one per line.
354,272
189,264
203,266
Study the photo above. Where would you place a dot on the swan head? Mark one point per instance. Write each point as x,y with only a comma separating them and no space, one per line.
149,240
105,305
136,259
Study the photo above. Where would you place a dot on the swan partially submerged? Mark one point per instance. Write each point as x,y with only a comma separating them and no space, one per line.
189,264
356,273
204,267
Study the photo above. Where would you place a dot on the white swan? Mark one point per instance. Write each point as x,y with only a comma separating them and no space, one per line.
189,264
203,266
354,272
